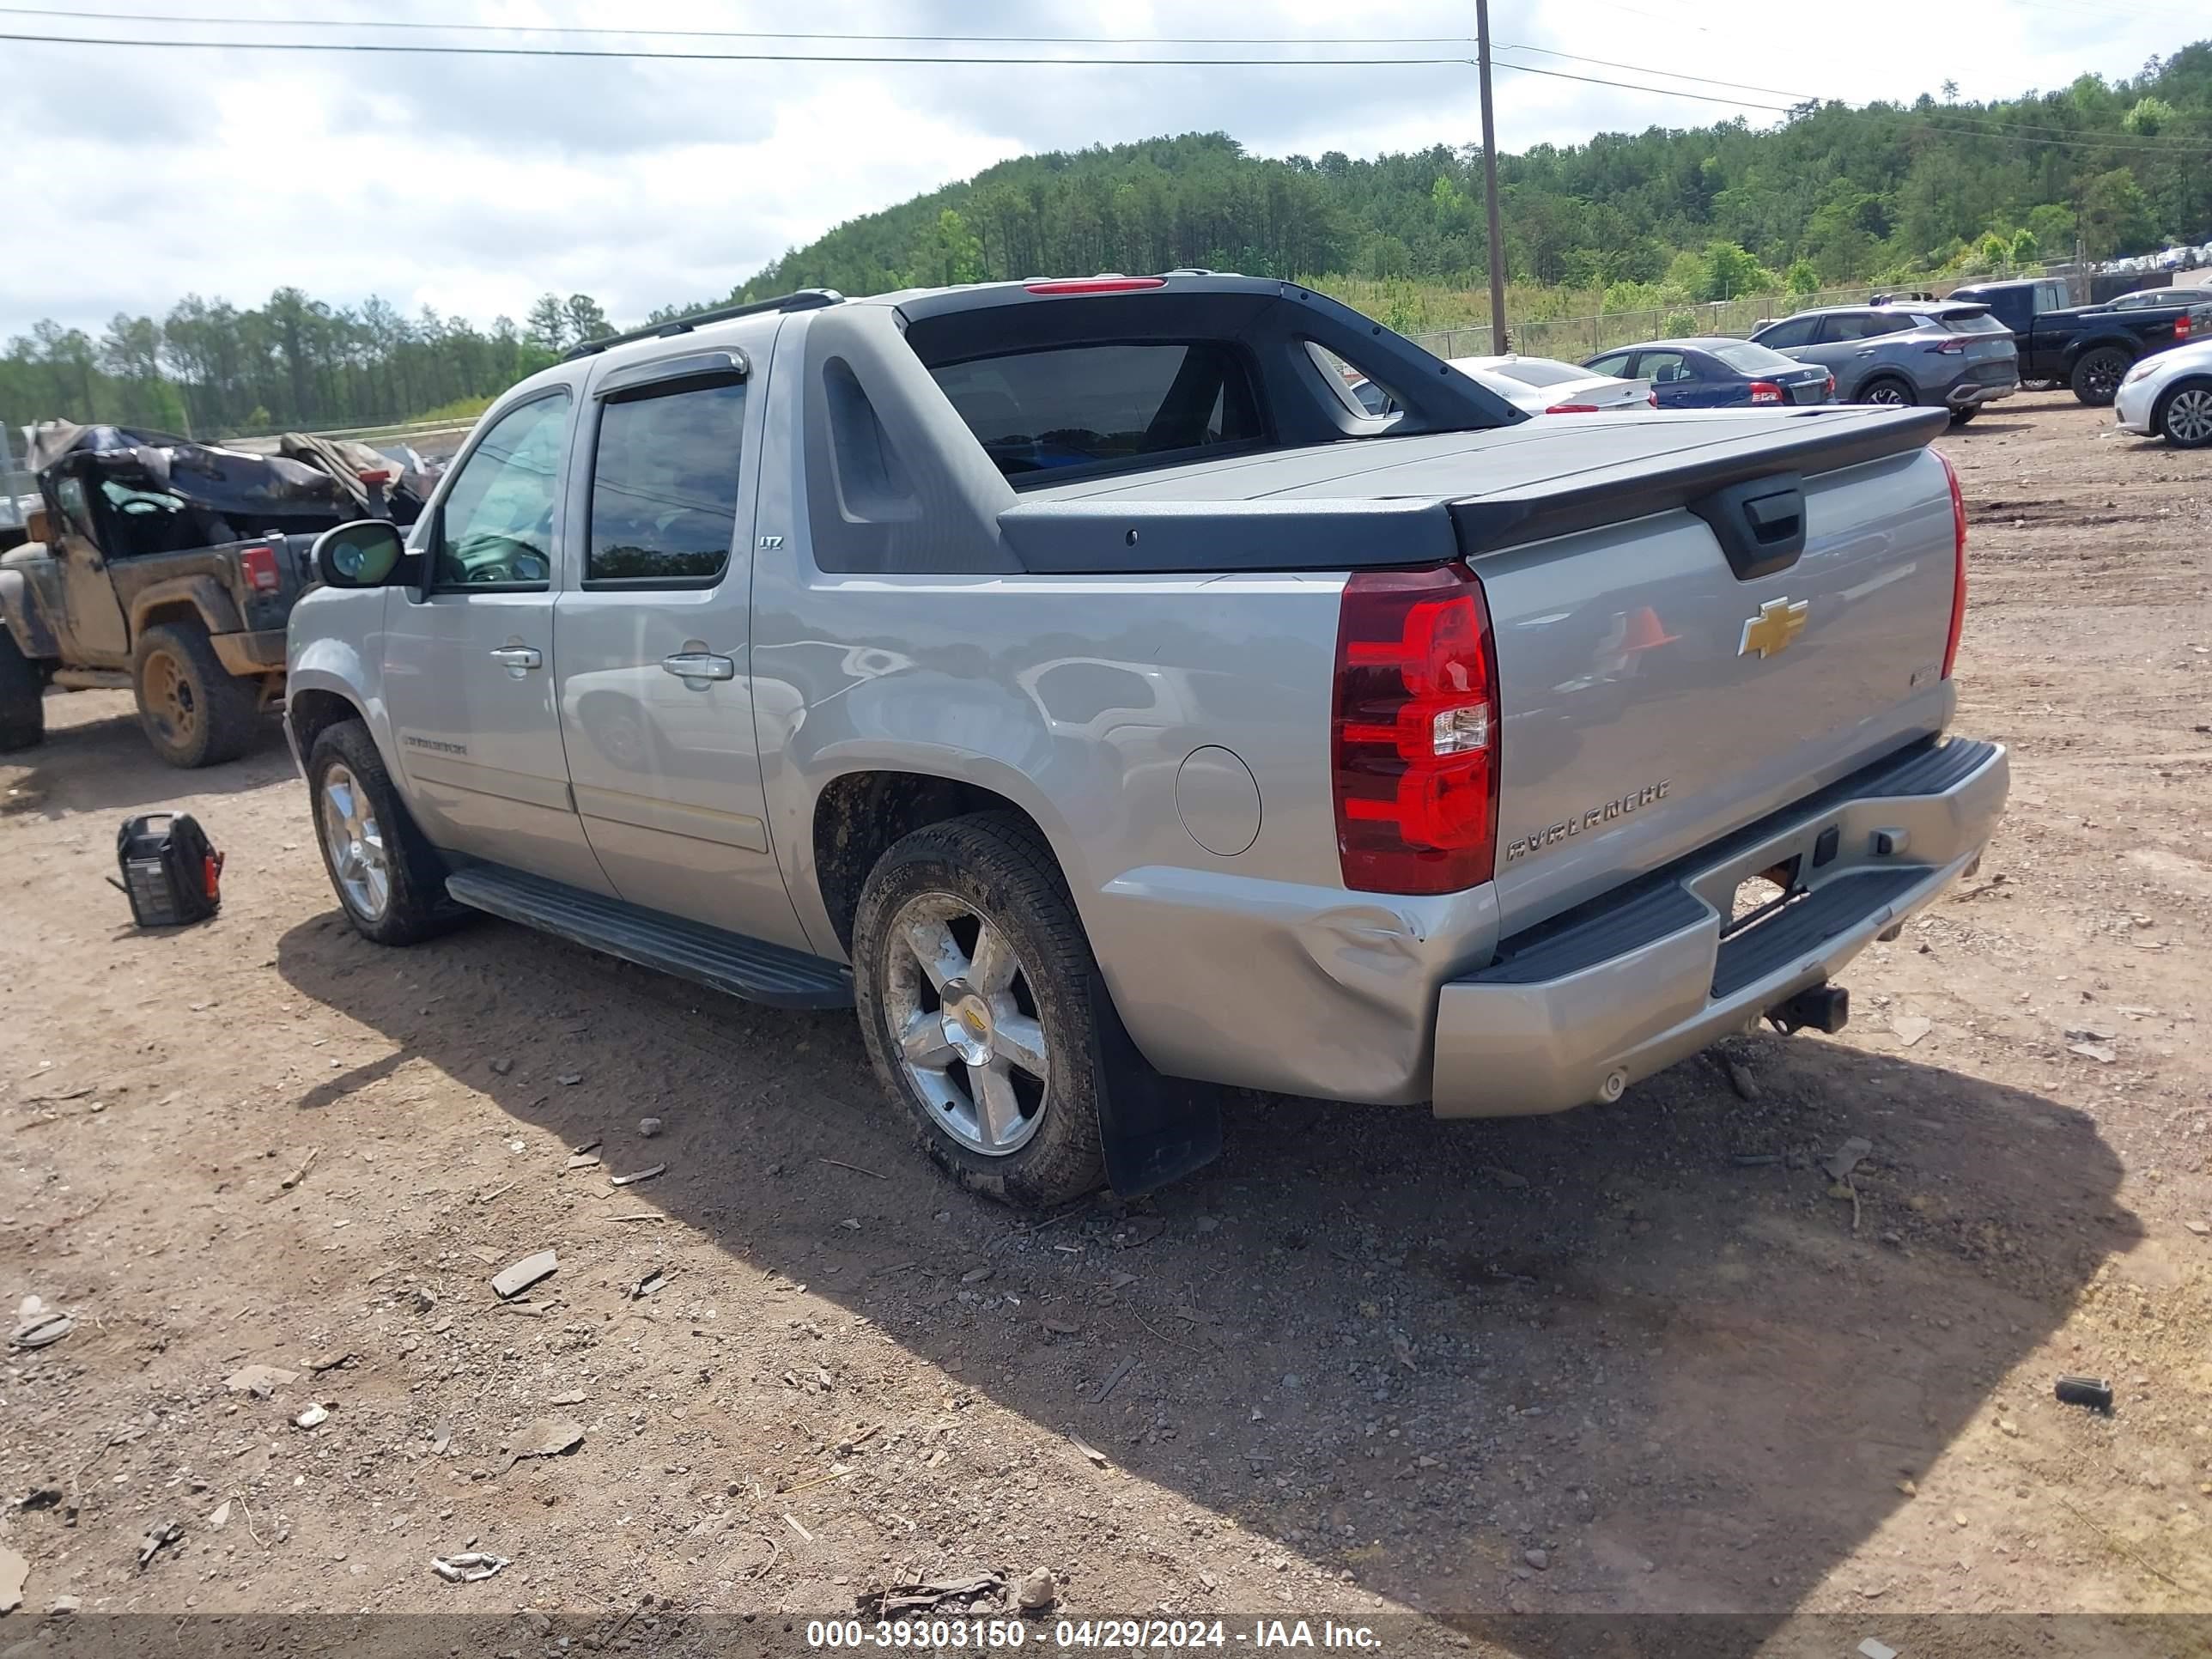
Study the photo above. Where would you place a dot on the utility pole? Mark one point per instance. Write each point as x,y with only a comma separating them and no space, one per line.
1497,340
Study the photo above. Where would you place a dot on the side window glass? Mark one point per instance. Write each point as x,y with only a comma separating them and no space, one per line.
495,528
1665,369
1616,365
75,507
664,486
1797,331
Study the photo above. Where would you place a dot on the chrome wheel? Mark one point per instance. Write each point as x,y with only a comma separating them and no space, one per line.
355,842
964,1016
2189,416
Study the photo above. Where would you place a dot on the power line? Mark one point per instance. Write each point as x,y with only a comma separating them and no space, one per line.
1646,69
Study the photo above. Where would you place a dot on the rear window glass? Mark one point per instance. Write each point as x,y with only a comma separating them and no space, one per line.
1040,411
1971,322
1745,358
664,486
1539,371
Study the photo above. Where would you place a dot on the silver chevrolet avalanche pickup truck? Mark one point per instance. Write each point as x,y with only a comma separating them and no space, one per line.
1075,677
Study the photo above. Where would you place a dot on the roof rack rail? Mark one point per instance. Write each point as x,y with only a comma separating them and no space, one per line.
806,299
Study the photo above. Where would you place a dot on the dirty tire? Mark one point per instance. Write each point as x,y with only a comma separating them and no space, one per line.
1960,416
996,864
2096,379
194,711
22,697
1886,391
2184,415
417,907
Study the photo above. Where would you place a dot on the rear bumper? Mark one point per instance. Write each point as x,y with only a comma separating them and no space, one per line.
256,652
1969,394
1617,989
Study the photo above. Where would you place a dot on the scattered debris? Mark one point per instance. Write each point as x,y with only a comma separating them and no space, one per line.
330,1362
513,1281
2006,1425
1740,1078
1061,1328
467,1568
158,1537
2197,1227
2091,1391
854,1168
569,1397
648,1127
41,1498
1754,1160
642,1174
1540,1559
582,1160
792,1521
2102,1053
1088,1450
501,1067
220,1517
1037,1591
1503,1177
39,1326
548,1437
62,1607
657,1279
259,1380
443,1438
1909,1028
1846,1157
570,1080
591,1145
1113,1378
300,1174
14,1569
894,1600
314,1417
1871,1649
976,1275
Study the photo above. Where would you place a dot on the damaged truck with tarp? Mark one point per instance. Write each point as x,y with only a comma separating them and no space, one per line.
170,568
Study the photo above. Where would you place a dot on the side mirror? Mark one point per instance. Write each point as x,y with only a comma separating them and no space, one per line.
363,554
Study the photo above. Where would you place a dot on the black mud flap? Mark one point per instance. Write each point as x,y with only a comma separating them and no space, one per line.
1153,1128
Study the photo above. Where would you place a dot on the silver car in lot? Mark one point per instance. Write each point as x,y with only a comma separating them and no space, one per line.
1545,386
1938,355
2169,395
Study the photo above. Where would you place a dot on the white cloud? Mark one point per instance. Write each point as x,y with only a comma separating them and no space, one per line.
472,185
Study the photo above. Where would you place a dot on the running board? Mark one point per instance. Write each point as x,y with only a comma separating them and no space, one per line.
731,962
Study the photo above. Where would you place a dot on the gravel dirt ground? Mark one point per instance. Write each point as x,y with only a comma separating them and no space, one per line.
1367,1365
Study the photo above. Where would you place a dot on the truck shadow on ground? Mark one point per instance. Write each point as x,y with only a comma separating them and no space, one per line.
1408,1353
96,759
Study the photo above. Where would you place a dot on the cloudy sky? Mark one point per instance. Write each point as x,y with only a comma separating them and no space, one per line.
472,184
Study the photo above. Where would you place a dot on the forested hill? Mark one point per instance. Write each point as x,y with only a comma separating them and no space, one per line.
1852,191
1832,195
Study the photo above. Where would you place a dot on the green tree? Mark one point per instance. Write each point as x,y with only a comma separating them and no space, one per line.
2025,251
2148,116
948,253
547,325
583,320
1801,279
1729,271
2115,215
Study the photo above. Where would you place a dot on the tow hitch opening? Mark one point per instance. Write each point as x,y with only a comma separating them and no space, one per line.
1823,1008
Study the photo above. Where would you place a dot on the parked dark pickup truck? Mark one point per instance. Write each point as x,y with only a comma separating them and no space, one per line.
2087,348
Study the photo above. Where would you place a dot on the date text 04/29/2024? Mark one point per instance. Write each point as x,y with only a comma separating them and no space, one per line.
1094,1635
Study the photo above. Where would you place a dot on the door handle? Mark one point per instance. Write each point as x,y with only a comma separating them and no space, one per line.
1866,351
700,665
516,658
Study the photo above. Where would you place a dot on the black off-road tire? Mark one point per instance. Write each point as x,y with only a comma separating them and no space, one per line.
195,712
2096,378
22,697
418,908
997,863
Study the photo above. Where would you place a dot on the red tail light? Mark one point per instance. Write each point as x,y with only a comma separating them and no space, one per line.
1572,408
1414,749
1831,390
260,564
1765,392
2181,326
1958,565
1651,398
1095,285
1949,348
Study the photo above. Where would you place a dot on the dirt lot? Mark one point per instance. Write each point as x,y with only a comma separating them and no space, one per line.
1367,1365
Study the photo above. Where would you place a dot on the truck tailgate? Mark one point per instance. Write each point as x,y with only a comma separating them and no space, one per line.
1654,700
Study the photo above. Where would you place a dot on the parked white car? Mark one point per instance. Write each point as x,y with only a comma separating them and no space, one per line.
2169,395
1545,386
